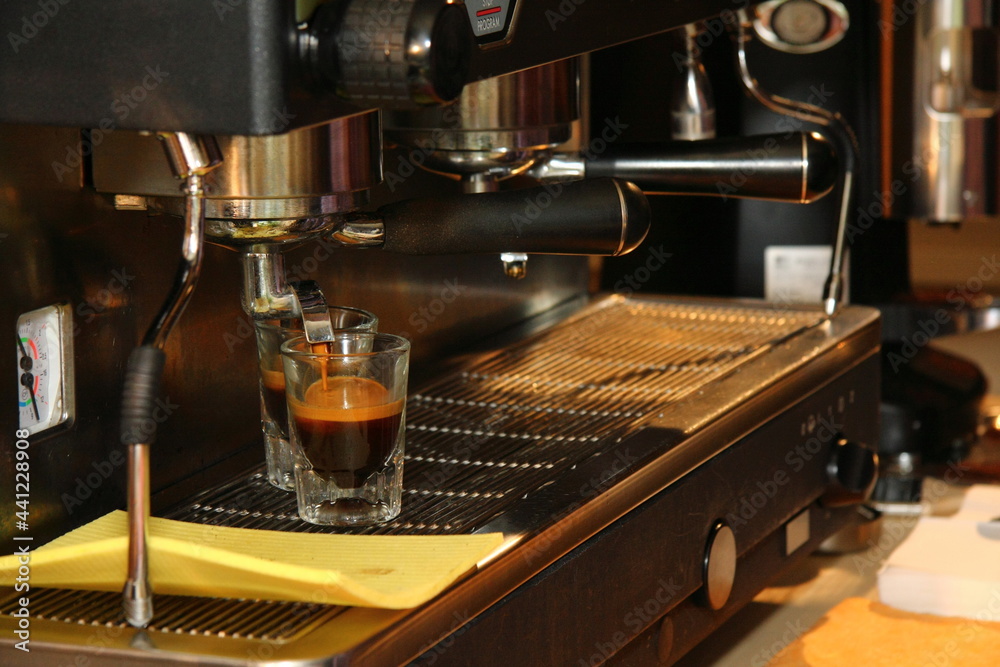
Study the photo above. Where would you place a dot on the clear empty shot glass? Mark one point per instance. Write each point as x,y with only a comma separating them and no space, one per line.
271,334
347,420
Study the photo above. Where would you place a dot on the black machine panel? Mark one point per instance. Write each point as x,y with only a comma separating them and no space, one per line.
756,487
243,67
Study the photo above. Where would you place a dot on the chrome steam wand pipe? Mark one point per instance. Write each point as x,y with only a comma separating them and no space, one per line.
191,158
692,102
846,141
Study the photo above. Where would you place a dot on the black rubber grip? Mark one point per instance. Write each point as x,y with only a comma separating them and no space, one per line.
594,217
139,398
793,167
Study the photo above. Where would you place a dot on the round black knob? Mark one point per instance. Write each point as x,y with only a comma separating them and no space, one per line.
390,53
851,472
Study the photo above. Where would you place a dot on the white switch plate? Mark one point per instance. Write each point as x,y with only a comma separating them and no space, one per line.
797,274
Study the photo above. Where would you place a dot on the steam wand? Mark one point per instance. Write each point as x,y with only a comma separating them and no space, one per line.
190,158
847,143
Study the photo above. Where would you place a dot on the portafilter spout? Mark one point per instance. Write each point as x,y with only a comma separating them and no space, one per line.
190,158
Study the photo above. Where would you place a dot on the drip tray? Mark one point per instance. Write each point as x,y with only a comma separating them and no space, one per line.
253,620
502,444
482,438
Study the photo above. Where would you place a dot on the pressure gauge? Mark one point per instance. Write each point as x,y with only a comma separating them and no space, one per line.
45,368
801,26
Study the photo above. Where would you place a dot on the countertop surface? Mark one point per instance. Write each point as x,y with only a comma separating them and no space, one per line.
795,602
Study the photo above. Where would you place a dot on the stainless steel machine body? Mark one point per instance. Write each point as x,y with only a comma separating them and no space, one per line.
945,107
679,409
498,127
571,446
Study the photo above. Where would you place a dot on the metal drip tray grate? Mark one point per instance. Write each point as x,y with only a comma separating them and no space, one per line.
233,619
481,438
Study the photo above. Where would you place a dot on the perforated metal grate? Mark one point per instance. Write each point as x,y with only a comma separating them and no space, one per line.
482,438
235,619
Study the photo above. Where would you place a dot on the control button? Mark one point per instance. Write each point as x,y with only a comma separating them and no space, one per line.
489,17
797,532
801,26
851,473
719,567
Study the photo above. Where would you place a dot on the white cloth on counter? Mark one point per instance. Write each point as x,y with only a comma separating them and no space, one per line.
949,566
981,503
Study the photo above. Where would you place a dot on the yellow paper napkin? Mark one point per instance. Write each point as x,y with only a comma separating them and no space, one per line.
386,571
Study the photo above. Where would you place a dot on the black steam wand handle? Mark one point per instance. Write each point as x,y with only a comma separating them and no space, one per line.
595,217
191,157
793,167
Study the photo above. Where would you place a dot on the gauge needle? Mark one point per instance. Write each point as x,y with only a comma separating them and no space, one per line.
27,380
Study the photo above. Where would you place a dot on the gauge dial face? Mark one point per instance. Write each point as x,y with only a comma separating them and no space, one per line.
44,368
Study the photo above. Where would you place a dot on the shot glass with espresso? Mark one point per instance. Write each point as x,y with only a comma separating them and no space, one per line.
271,334
347,420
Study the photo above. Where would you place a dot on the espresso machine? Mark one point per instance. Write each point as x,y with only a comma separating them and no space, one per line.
655,460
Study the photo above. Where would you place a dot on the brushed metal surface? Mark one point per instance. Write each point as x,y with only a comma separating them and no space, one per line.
339,156
497,125
941,166
61,242
530,108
